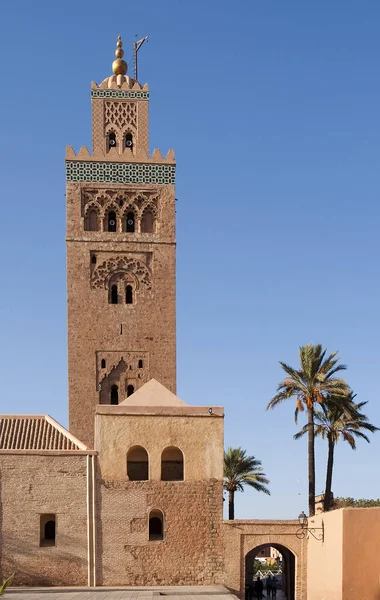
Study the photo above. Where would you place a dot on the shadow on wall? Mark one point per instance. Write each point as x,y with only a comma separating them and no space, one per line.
34,567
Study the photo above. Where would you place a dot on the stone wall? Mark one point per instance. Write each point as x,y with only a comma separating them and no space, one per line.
191,552
241,537
121,334
35,484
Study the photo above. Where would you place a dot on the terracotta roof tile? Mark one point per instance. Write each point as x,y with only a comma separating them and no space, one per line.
35,432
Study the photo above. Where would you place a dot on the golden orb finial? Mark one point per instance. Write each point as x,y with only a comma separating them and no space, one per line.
119,66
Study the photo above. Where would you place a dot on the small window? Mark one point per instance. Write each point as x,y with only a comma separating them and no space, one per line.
130,223
93,259
103,363
129,141
47,530
111,222
111,141
156,525
128,295
147,222
140,364
113,295
137,464
114,394
130,390
172,464
91,221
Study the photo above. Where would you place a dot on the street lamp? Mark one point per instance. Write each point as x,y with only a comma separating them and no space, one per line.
304,531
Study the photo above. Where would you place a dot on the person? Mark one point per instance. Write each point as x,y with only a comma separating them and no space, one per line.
269,586
259,589
274,587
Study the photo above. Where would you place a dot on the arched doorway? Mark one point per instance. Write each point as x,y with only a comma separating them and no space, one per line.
276,561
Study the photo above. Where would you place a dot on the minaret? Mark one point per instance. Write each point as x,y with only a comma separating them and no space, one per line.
120,255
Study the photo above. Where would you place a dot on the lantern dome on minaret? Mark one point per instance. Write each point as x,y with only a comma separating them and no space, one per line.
119,67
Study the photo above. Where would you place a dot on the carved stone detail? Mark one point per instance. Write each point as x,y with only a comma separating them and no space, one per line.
121,264
120,114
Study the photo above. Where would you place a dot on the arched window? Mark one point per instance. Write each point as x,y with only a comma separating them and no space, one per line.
172,464
103,363
130,390
137,464
140,364
111,140
91,220
130,222
147,222
111,221
129,295
156,525
114,394
47,530
129,141
113,294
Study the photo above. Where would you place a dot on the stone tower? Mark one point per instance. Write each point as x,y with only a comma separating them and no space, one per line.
120,255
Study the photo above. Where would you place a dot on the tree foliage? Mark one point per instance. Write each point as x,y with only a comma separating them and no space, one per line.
311,385
241,470
352,503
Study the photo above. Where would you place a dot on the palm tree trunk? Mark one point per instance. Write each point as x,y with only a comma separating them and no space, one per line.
310,422
329,472
231,505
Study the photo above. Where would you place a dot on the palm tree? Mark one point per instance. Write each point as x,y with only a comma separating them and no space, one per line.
332,423
241,470
311,384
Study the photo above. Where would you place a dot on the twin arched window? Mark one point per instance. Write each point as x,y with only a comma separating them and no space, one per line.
112,141
114,297
138,463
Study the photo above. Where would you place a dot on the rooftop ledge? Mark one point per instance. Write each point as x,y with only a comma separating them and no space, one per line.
126,157
161,411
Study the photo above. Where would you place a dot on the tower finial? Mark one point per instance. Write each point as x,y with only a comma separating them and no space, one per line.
119,66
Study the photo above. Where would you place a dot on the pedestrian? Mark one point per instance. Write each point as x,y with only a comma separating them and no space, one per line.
269,586
259,586
274,587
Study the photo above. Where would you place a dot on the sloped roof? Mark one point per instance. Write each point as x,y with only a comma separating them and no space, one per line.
153,393
35,432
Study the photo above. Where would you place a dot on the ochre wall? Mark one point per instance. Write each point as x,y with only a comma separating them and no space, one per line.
29,486
324,559
240,537
361,553
199,437
192,549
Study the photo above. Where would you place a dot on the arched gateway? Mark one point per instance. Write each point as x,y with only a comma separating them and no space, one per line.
243,540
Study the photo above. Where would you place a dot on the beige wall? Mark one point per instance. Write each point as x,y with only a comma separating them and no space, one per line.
31,485
240,537
325,571
199,437
361,553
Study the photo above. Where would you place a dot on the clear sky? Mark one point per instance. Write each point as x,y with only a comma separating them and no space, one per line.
272,107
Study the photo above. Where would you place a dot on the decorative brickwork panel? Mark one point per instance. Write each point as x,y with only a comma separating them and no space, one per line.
121,264
120,172
121,94
120,114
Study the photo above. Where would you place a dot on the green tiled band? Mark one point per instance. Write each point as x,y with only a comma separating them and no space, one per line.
136,95
119,172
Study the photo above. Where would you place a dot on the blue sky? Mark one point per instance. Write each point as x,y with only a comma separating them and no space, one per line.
272,108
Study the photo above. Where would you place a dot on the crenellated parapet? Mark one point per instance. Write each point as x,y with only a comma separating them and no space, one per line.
113,155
